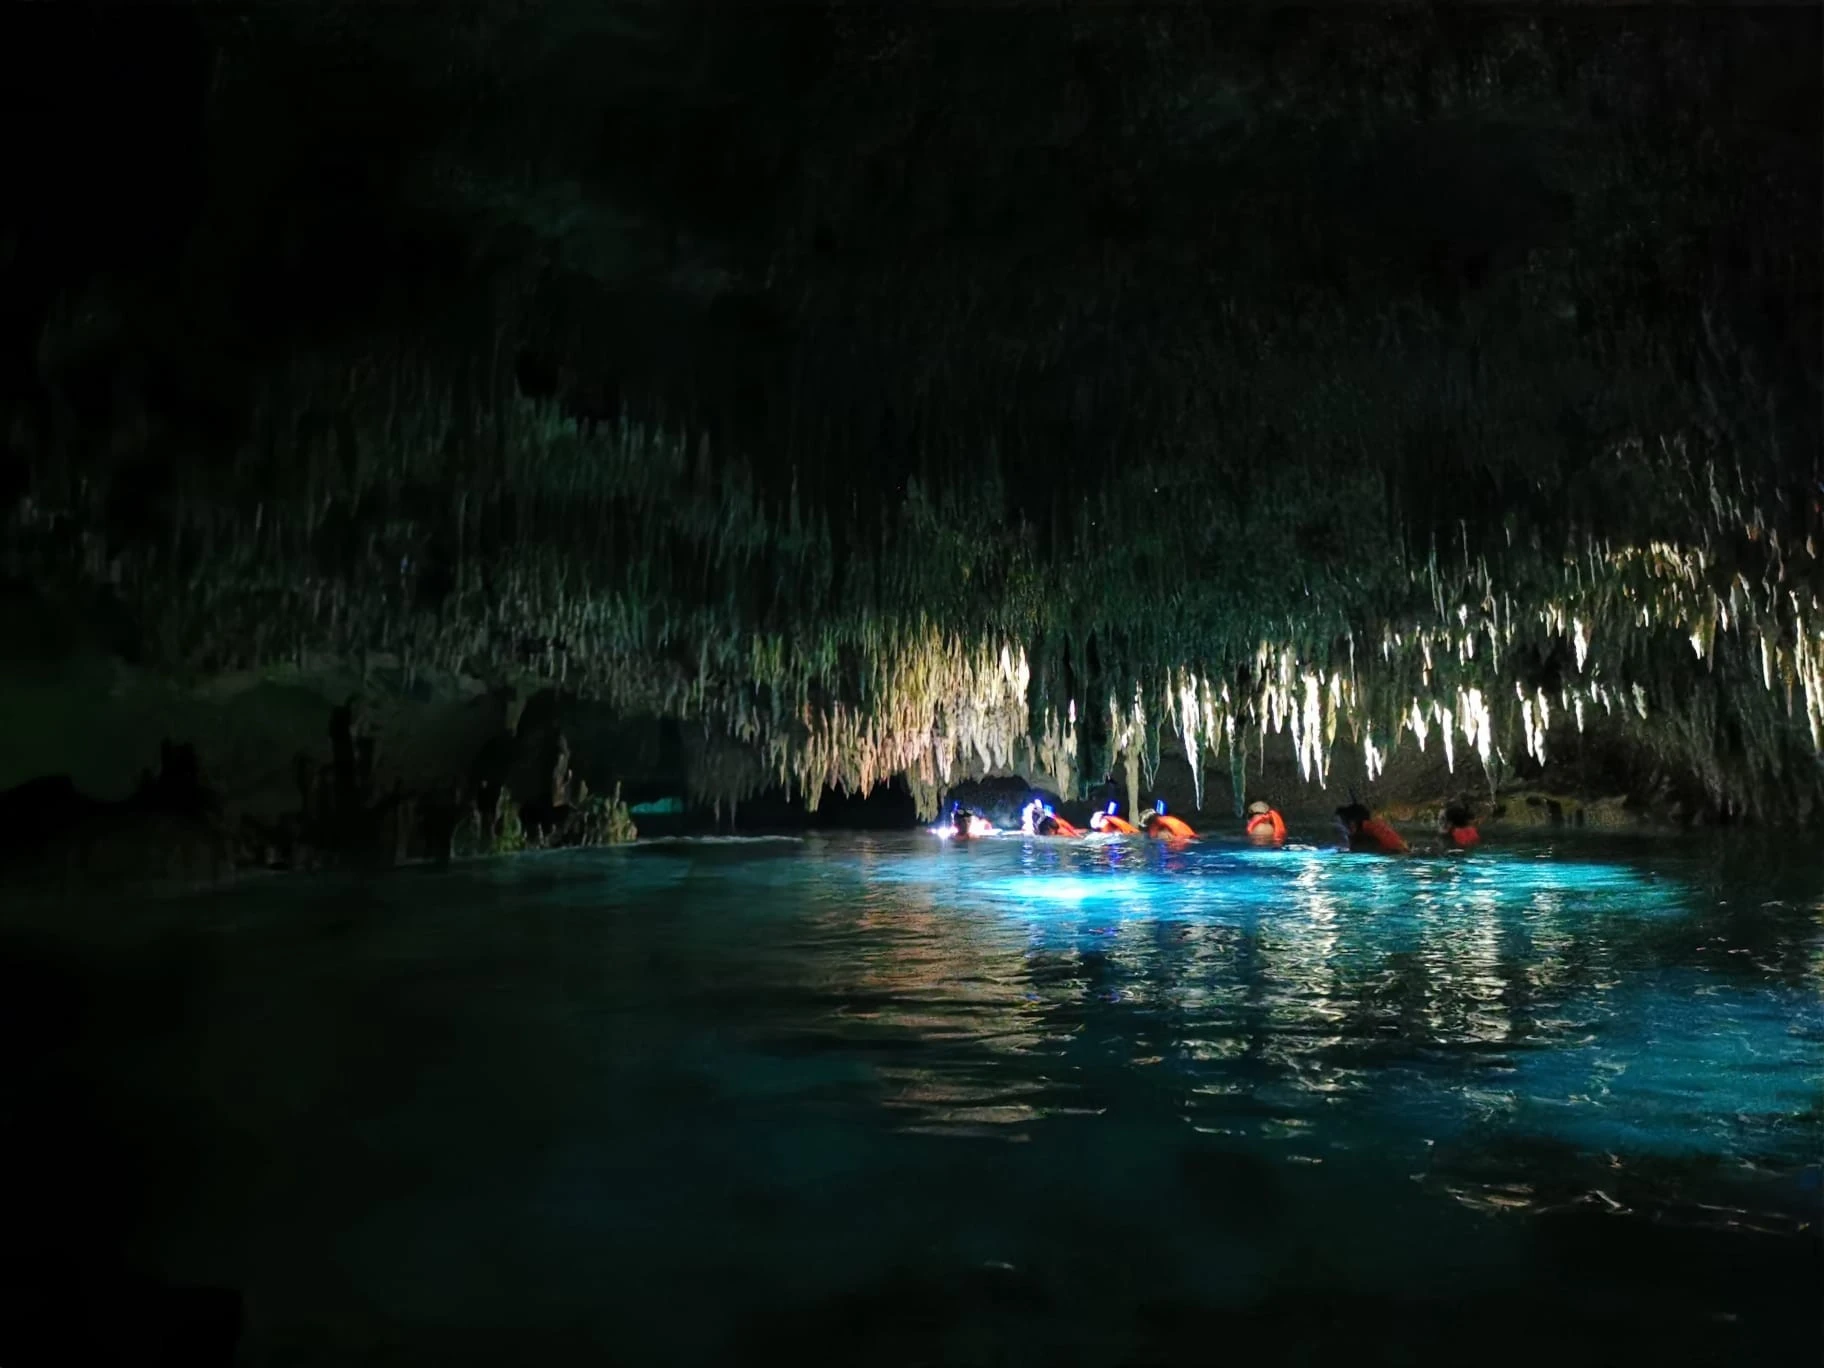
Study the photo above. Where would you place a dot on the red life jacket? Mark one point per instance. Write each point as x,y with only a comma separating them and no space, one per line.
1464,837
1267,826
1376,837
1170,828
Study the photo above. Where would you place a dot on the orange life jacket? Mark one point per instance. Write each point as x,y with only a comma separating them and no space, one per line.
1060,827
1119,826
1167,827
1377,837
1267,826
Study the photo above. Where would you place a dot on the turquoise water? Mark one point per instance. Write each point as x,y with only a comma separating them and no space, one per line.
888,1101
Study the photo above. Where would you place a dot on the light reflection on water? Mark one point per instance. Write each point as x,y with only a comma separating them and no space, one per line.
1546,995
581,1086
1520,1032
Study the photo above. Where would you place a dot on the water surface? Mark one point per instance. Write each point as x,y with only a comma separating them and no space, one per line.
885,1101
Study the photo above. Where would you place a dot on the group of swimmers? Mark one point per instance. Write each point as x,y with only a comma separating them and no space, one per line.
1361,830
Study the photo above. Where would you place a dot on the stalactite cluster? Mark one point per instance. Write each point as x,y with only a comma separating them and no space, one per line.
631,565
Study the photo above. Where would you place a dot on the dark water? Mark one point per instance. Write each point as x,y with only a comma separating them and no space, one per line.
885,1102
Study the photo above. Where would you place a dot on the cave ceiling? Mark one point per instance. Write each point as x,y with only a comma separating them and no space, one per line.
906,390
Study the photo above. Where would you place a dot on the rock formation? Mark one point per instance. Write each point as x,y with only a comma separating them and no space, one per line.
927,393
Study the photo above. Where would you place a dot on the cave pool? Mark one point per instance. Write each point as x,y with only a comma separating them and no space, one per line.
884,1101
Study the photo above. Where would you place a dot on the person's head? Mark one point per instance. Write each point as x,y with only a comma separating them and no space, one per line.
1149,816
1258,808
1098,820
1457,815
1351,816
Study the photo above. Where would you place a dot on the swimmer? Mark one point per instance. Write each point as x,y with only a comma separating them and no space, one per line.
1265,825
1458,826
1109,824
1037,819
1367,833
1163,828
966,824
1030,816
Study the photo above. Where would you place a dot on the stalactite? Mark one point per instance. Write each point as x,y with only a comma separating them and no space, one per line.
673,586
